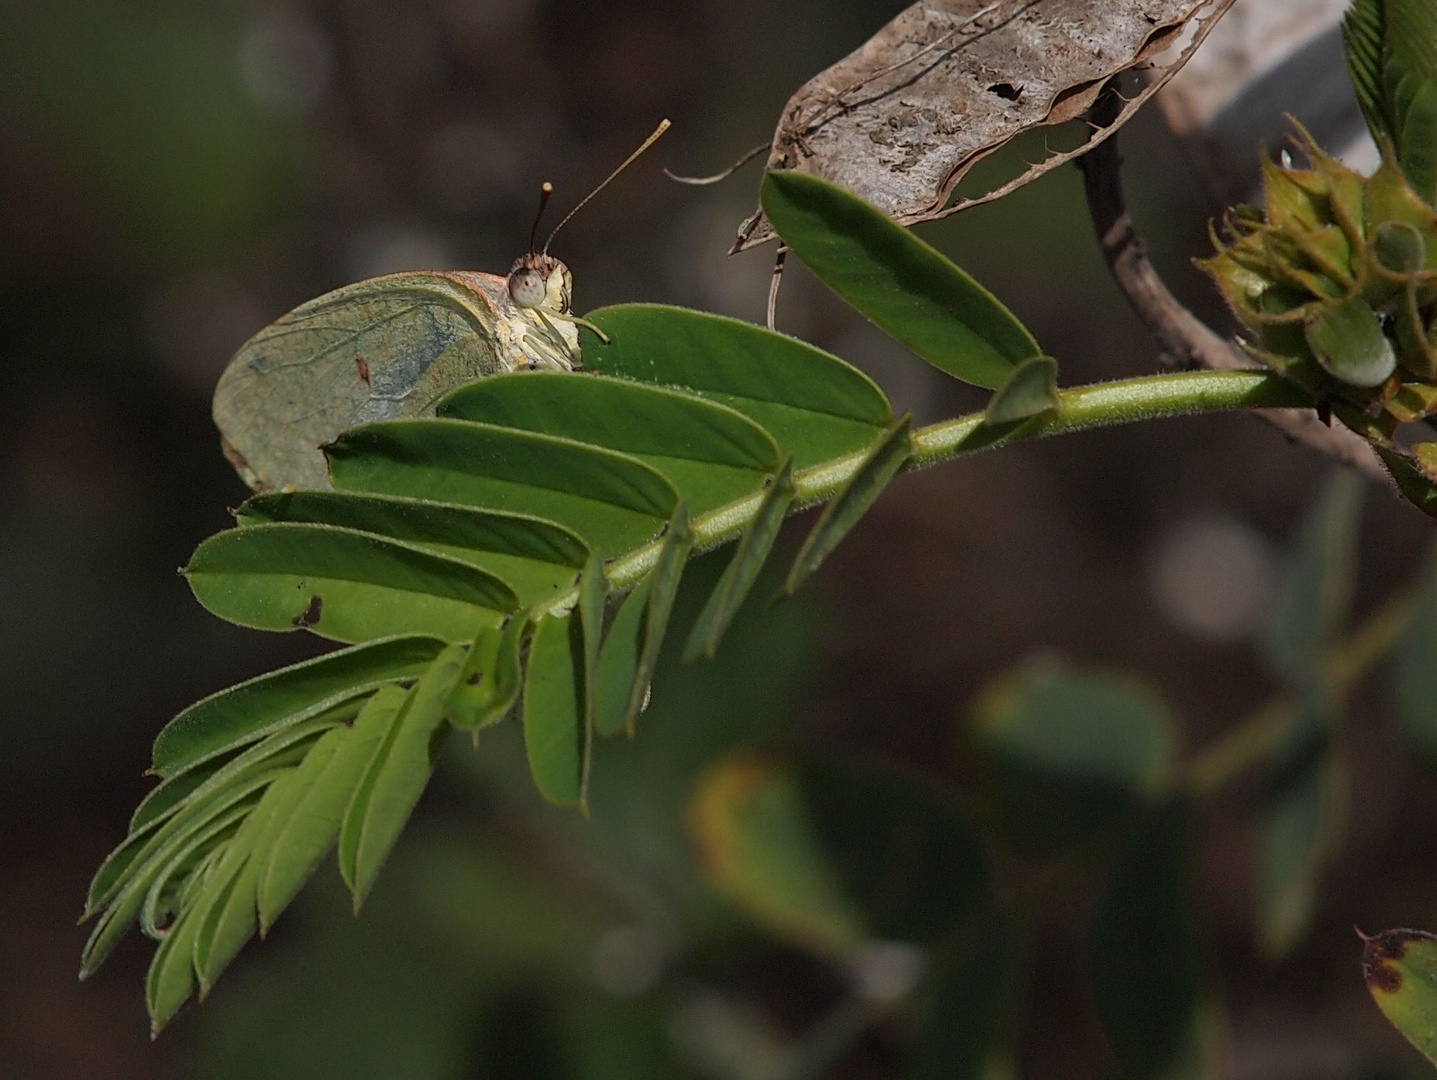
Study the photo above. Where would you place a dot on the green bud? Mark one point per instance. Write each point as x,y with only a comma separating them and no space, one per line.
1348,341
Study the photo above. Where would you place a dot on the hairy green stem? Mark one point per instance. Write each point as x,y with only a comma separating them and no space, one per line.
1256,739
1124,401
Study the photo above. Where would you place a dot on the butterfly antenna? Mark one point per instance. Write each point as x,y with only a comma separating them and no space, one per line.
664,126
545,190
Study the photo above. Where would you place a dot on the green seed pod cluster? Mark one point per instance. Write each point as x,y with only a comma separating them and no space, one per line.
1336,278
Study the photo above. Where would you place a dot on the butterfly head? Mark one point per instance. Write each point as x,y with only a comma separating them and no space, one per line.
539,280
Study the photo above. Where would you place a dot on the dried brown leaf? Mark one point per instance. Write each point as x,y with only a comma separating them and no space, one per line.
901,120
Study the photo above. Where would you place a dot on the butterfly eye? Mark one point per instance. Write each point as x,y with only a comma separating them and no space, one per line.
526,288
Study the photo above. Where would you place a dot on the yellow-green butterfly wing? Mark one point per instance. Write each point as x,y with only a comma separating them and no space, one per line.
379,349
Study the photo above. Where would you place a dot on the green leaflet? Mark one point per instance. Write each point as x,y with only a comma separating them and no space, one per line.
171,979
342,584
180,788
619,660
743,570
678,541
1400,967
233,918
319,793
757,845
372,729
593,593
811,850
401,768
1063,755
850,504
554,730
1148,981
614,502
910,290
815,406
489,684
255,708
536,558
1317,589
631,647
1030,389
712,454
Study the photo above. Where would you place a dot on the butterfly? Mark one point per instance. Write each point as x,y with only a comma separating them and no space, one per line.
391,347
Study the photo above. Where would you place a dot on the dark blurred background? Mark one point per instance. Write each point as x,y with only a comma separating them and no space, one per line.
175,175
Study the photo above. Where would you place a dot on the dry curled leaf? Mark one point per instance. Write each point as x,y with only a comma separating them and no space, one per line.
901,120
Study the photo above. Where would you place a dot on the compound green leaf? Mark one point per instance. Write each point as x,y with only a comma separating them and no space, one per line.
1317,588
535,557
373,729
554,729
850,504
342,584
1030,390
712,454
1062,755
910,290
255,708
814,405
1400,968
613,501
402,767
1417,671
743,569
1146,966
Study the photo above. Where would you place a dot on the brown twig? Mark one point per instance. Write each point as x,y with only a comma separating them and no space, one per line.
1185,339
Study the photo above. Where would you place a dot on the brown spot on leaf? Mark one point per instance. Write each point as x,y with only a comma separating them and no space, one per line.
475,679
310,615
1379,953
362,368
